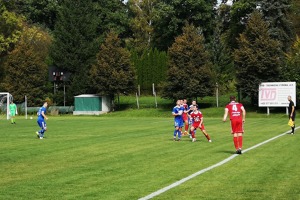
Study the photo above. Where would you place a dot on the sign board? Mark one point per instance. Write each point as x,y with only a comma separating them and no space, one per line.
274,94
58,75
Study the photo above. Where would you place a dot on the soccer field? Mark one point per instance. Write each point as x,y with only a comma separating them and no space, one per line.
129,158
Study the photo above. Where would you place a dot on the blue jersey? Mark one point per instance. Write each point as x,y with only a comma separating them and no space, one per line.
178,110
40,116
178,118
181,109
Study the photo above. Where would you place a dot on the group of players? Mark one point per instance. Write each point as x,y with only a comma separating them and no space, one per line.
186,116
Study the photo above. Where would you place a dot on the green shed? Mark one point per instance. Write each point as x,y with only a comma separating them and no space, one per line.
91,104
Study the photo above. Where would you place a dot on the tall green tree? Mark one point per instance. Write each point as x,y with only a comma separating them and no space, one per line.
113,74
10,29
10,33
42,12
223,65
234,19
151,67
257,58
11,6
143,15
291,70
112,15
25,69
171,17
294,15
276,13
75,43
189,74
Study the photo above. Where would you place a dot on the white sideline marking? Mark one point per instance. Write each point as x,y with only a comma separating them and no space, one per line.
158,192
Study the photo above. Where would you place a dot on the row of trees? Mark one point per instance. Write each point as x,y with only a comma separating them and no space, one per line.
151,67
109,47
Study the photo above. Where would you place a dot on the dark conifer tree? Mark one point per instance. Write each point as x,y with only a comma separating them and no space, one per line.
171,17
113,73
75,46
275,12
189,74
258,57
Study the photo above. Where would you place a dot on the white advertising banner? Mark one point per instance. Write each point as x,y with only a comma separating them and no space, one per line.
274,94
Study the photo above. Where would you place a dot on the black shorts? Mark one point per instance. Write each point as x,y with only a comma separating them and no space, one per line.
292,117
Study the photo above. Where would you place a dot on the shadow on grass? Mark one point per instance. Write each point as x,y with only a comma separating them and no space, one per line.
227,152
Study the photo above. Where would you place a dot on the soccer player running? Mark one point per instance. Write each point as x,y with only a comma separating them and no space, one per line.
178,122
237,115
197,118
13,111
41,120
292,113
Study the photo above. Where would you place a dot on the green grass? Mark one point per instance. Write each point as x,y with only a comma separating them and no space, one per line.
128,155
130,102
206,103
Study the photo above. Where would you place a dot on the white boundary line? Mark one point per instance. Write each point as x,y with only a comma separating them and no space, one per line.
177,183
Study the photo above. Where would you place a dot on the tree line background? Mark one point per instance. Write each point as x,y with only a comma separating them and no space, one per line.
109,47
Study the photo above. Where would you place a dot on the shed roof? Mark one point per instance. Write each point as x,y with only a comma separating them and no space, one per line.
88,95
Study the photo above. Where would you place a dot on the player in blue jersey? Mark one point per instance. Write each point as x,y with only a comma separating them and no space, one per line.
41,120
178,121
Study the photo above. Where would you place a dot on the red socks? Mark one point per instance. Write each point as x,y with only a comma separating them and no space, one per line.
238,142
186,127
193,134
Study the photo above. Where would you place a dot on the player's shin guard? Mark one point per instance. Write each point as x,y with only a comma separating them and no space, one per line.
240,141
235,141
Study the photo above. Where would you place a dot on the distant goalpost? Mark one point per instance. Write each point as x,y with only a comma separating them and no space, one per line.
5,97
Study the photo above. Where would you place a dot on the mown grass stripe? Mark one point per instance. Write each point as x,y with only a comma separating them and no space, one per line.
177,183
